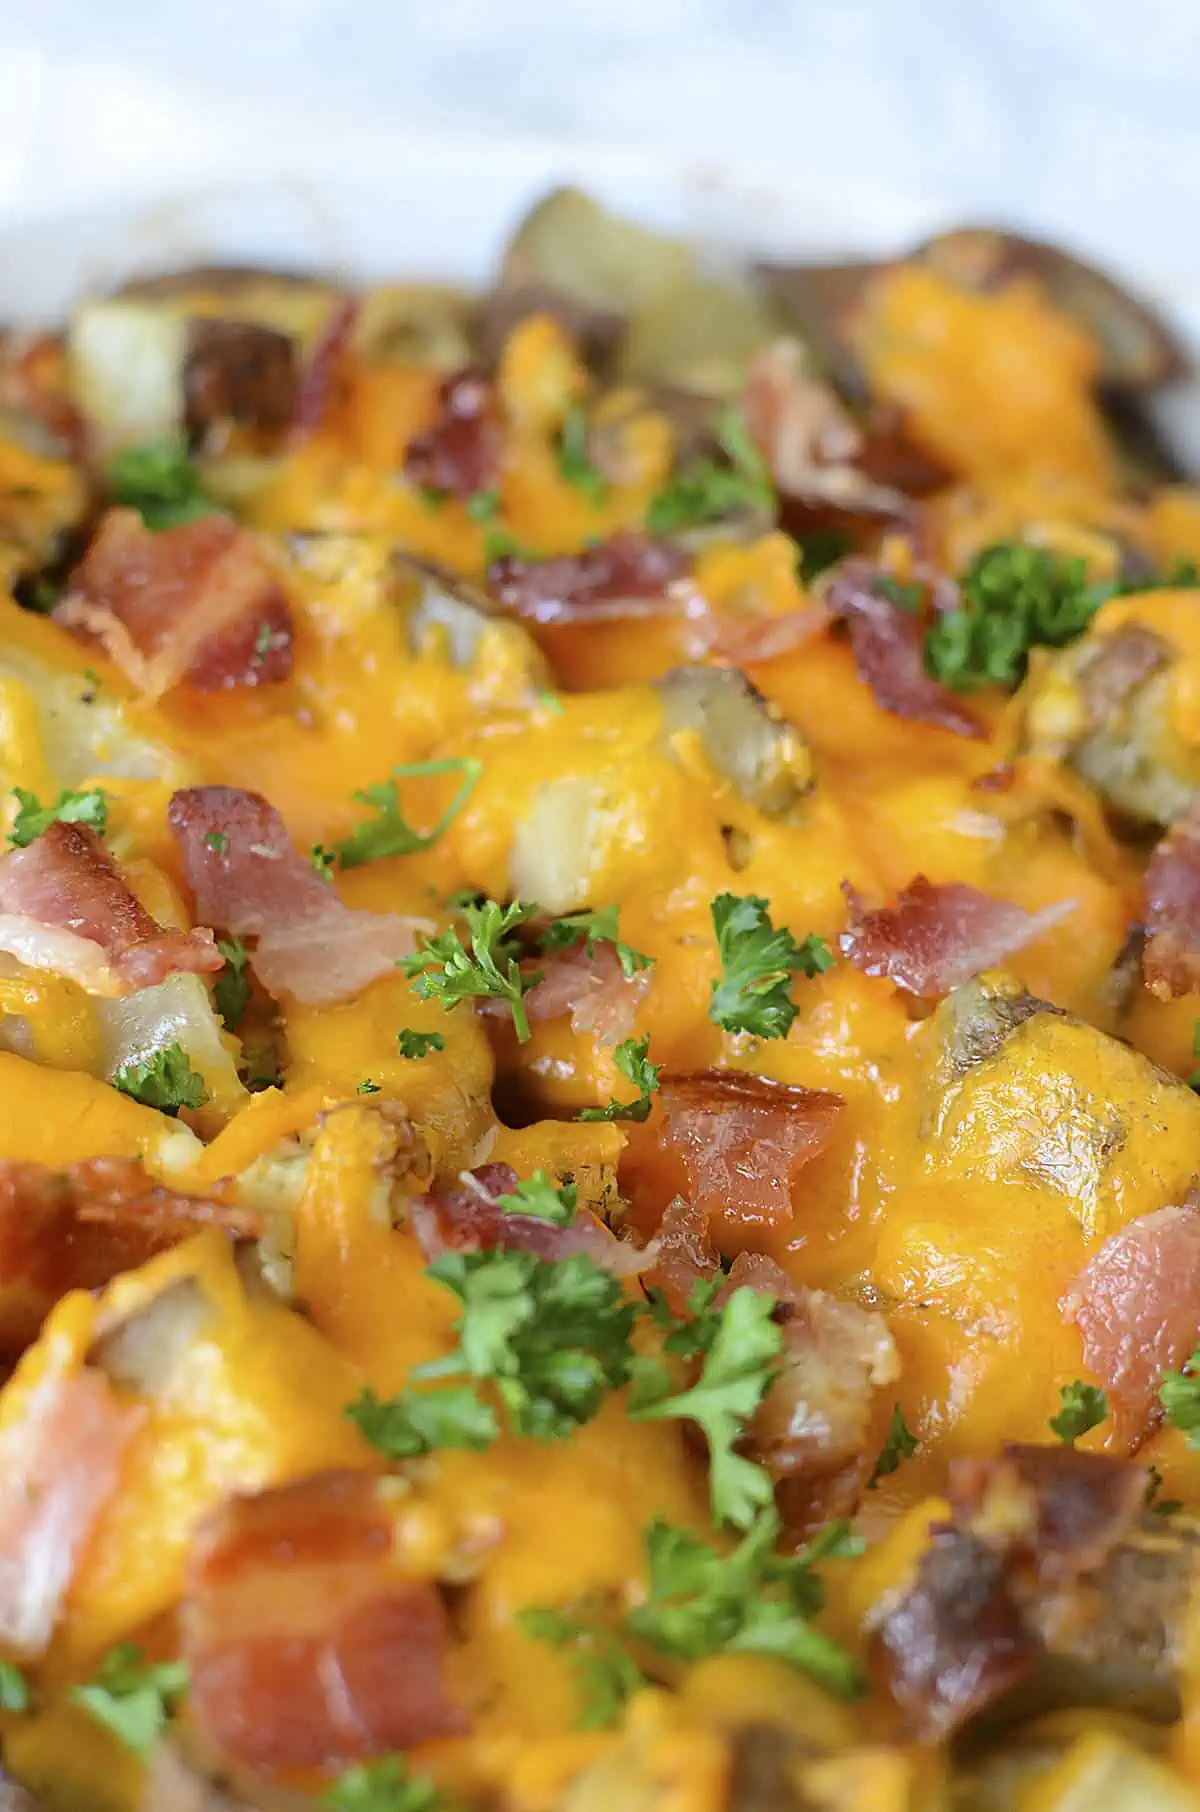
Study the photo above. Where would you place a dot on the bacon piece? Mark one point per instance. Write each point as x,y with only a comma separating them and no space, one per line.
741,1138
60,1461
75,1229
460,453
594,990
65,907
935,937
809,439
954,1642
1137,1304
888,644
470,1220
1171,886
239,372
200,603
1030,1565
1060,1510
686,1255
256,884
813,1430
326,368
306,1646
629,575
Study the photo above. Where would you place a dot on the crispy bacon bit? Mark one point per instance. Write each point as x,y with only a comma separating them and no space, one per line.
934,938
238,372
686,1255
809,440
629,575
60,1460
955,1642
325,371
75,1229
256,884
1058,1509
65,907
306,1647
460,453
594,990
741,1138
1002,1582
1171,963
813,1430
470,1220
1137,1304
200,603
888,643
1117,666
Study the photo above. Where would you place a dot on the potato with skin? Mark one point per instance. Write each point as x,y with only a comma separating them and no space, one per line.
1019,1091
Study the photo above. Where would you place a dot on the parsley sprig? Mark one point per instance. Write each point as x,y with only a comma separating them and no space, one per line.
539,1195
390,834
701,1601
632,1058
132,1697
1014,598
757,963
449,971
89,807
574,458
384,1786
592,928
419,1044
709,490
414,1422
1179,1394
160,482
1084,1406
232,989
164,1079
744,1343
901,1443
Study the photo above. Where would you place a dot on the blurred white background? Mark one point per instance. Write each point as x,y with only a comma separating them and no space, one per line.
1078,117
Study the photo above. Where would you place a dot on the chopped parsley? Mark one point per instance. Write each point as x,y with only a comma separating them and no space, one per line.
1194,1077
1179,1394
90,808
232,990
901,1444
419,1044
594,928
574,459
498,544
14,1688
483,506
539,1195
367,1087
821,550
701,1601
323,860
738,1368
1014,598
390,833
160,482
448,971
132,1697
709,490
757,962
165,1079
552,1336
415,1421
1161,1506
383,1786
1084,1406
262,644
217,841
606,1673
632,1058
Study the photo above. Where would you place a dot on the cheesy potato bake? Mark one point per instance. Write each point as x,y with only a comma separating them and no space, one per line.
599,935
